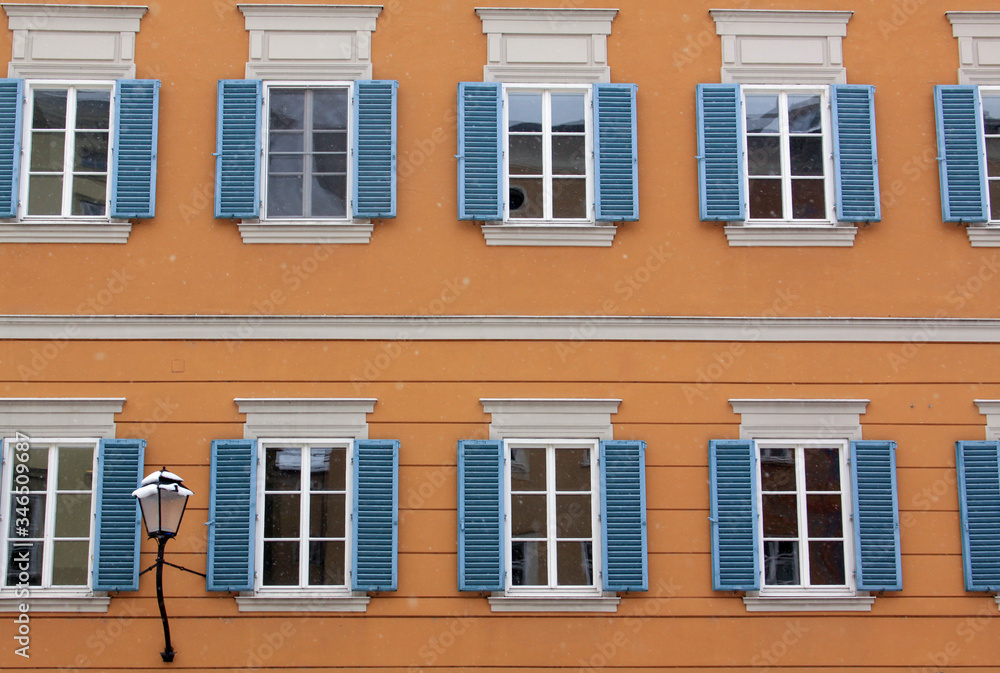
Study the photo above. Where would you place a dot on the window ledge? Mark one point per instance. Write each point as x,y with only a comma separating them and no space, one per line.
996,599
255,231
858,603
577,235
791,235
64,231
294,603
554,604
983,235
63,603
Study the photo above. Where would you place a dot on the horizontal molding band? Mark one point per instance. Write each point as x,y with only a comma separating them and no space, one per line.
497,328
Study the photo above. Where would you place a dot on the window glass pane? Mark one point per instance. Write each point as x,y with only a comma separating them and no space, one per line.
329,196
330,163
781,518
327,563
93,108
69,562
330,141
825,516
327,515
287,108
72,515
804,114
806,153
281,564
47,151
573,516
285,141
569,198
763,155
527,469
50,109
25,563
765,198
34,512
575,563
90,194
991,115
777,469
822,469
572,469
568,112
826,563
329,108
45,195
993,157
529,563
525,155
329,469
281,515
995,199
762,113
527,515
284,196
38,468
76,469
91,152
808,199
285,163
569,155
781,562
524,112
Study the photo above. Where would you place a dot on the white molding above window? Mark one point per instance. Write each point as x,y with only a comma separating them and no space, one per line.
310,42
545,45
978,36
81,41
306,417
545,418
835,235
60,416
569,235
800,419
770,46
991,410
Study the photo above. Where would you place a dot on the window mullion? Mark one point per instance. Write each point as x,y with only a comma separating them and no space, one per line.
803,512
784,128
68,151
48,531
307,150
304,474
547,155
550,514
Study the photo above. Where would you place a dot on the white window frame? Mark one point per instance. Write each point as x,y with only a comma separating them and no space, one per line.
46,590
829,189
546,90
303,589
554,589
847,590
986,91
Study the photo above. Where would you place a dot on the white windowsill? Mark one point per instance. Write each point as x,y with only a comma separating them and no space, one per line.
554,603
65,231
984,235
861,602
303,603
306,231
578,235
58,602
996,599
791,235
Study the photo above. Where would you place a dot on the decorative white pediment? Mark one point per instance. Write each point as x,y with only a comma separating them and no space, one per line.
978,36
799,419
306,417
542,418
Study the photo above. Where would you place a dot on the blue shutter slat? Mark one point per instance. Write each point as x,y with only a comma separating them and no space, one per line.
133,166
733,491
118,523
616,165
231,511
855,154
480,157
237,149
11,105
623,515
374,183
876,515
961,153
979,505
374,520
720,153
480,515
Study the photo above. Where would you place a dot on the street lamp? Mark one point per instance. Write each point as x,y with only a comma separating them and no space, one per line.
162,499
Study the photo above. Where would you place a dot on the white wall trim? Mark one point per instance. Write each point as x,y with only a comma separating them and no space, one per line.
306,417
317,233
860,603
70,604
978,36
990,409
65,231
587,235
292,603
799,418
983,235
798,236
554,604
60,416
557,417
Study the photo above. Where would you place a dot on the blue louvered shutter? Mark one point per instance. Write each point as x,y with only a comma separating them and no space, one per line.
736,560
374,164
133,164
480,515
374,518
119,521
876,515
616,164
720,153
979,505
232,507
480,155
11,105
237,149
961,153
855,154
623,515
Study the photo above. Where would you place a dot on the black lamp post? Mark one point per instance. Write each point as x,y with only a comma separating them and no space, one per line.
163,499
